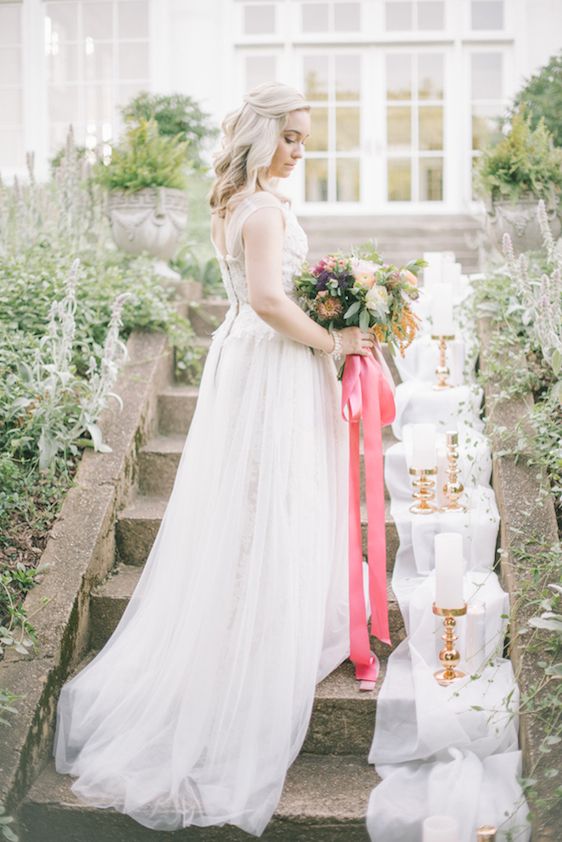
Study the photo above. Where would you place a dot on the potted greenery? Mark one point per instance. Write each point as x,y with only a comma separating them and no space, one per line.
177,115
147,203
523,167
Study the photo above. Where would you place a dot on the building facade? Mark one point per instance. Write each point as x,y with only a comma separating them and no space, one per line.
403,92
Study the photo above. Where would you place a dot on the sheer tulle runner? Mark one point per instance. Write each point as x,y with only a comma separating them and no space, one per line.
459,740
366,395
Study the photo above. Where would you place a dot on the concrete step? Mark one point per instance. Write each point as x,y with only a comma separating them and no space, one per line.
398,238
207,314
176,406
109,599
324,800
189,376
138,524
160,456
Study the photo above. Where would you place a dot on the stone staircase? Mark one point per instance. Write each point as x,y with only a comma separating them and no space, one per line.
397,237
327,788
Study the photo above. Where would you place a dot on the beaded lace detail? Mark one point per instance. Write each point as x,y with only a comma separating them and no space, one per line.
241,319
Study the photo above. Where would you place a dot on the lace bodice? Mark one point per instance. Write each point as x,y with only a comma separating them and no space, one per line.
241,318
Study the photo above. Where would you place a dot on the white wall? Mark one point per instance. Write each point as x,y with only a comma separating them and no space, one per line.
543,32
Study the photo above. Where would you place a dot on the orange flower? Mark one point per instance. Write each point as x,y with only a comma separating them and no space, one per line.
329,307
380,332
409,277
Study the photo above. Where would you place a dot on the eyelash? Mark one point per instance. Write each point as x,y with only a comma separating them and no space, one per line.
288,139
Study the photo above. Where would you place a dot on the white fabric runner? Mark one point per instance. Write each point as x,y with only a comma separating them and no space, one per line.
446,750
449,409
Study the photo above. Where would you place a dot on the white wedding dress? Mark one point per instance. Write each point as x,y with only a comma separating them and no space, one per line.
199,702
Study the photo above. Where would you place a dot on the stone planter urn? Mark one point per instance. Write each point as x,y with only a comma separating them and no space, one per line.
152,219
519,220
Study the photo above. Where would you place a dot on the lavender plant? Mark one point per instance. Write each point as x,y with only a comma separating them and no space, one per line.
540,297
63,403
66,211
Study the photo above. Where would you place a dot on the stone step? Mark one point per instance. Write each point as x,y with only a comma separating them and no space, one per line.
188,377
139,522
109,599
176,406
398,238
206,315
159,459
324,800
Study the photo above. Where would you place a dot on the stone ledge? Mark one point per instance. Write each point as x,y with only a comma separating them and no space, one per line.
524,511
79,553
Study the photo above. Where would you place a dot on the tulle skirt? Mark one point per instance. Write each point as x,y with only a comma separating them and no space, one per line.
199,702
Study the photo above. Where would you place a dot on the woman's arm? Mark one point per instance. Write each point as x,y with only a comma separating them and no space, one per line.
263,246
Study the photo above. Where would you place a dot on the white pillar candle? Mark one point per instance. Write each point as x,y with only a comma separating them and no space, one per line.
441,829
442,310
452,273
432,274
423,446
433,258
475,635
449,570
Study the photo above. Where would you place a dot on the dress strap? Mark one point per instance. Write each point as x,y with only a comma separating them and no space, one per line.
244,209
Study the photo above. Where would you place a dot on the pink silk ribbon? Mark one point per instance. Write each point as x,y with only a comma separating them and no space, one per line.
366,395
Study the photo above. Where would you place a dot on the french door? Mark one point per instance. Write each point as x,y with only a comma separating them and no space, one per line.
379,126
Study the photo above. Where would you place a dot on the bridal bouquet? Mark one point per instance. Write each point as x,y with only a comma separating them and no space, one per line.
361,290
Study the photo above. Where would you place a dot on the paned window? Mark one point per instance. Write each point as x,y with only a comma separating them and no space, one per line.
415,126
487,100
259,68
319,16
486,15
414,15
98,59
259,18
332,85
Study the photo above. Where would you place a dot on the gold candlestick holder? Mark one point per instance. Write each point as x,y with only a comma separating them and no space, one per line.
449,656
424,490
486,833
453,488
442,370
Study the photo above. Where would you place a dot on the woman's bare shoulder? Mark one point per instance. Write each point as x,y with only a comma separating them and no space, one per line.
262,224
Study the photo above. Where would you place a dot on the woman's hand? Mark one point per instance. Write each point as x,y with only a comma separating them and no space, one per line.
357,341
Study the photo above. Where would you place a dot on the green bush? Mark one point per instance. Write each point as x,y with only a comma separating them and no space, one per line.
44,227
542,97
522,164
177,115
145,158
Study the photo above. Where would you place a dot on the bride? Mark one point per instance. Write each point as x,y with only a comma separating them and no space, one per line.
199,702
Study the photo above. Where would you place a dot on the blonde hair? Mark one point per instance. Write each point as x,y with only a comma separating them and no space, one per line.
250,138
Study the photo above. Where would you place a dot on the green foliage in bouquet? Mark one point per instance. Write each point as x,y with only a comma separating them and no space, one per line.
145,158
524,163
542,97
360,290
176,115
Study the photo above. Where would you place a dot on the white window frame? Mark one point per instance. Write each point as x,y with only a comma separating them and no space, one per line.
35,82
507,88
